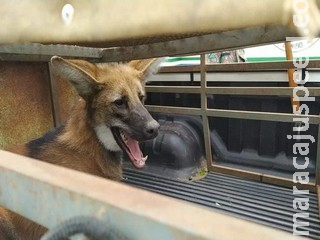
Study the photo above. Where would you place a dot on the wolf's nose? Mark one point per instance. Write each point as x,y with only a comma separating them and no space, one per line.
152,129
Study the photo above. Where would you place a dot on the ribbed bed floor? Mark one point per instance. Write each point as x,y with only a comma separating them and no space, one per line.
259,202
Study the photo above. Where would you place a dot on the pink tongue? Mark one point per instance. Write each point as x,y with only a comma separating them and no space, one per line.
134,148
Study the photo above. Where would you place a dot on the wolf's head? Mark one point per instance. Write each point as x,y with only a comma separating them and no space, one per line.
114,95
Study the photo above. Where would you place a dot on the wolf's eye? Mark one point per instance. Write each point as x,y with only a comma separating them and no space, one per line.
119,102
141,97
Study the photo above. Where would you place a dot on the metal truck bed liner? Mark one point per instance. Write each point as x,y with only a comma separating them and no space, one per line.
255,201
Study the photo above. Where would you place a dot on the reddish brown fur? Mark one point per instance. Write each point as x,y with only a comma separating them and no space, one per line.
77,146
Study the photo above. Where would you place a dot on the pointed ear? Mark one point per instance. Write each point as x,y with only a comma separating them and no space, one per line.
146,66
79,73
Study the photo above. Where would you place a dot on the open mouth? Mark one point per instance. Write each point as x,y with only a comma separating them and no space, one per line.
129,146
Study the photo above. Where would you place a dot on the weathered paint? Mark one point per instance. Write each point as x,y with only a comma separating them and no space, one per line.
25,105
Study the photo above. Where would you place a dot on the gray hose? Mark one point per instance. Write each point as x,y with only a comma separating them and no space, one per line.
91,227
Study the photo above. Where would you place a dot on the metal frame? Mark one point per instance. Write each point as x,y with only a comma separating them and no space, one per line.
318,192
318,161
199,44
54,99
204,106
142,28
240,67
203,90
42,53
189,45
62,193
268,91
39,52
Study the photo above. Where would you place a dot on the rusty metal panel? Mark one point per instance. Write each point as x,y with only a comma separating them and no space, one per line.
25,105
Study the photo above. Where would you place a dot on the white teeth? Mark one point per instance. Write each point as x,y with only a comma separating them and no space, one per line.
144,158
123,136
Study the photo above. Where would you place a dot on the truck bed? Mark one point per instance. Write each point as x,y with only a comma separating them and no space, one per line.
255,201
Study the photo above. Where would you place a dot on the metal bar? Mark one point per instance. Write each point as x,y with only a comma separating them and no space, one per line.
174,110
268,91
318,158
258,176
287,182
292,83
180,69
205,120
318,193
164,22
236,172
239,67
49,194
252,115
54,98
38,52
258,66
199,44
264,116
172,89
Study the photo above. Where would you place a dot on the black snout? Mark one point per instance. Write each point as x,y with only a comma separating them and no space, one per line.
142,126
152,128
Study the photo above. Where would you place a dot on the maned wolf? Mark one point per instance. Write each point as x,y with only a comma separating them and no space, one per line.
109,117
